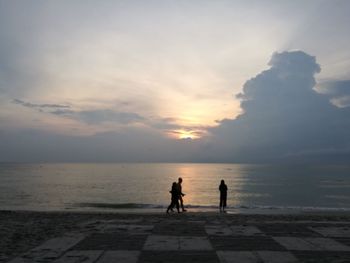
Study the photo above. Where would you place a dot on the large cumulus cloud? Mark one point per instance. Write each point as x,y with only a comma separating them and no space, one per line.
283,118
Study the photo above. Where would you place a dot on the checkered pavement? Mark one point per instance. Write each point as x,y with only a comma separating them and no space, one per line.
174,239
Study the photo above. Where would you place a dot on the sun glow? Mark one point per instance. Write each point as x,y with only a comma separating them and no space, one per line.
186,134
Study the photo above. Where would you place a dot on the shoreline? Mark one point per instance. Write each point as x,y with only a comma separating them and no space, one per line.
198,211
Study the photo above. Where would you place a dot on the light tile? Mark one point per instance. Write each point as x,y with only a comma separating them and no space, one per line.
157,242
296,243
49,250
327,244
332,231
195,243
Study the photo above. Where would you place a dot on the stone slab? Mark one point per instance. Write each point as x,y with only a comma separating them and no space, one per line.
218,230
256,257
80,256
111,241
242,230
295,243
322,256
245,243
129,229
276,257
176,243
179,229
158,243
294,230
125,256
345,241
195,243
327,244
49,250
311,243
178,256
236,257
332,231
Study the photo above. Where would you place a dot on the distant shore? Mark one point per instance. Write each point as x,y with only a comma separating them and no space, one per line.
23,230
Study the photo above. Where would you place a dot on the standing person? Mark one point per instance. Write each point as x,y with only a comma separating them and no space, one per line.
174,198
223,195
181,194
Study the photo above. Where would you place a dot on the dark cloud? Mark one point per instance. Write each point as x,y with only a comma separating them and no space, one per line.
283,117
38,106
88,116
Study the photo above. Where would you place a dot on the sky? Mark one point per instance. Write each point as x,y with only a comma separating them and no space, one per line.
174,81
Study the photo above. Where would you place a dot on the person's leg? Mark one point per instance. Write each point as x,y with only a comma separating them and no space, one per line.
224,202
177,206
170,206
220,203
182,204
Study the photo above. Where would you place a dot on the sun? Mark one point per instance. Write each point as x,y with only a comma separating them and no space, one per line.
186,134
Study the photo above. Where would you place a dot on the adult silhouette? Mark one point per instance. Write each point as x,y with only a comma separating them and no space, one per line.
223,195
174,198
181,194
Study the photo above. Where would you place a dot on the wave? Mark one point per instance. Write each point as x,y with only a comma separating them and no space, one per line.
206,207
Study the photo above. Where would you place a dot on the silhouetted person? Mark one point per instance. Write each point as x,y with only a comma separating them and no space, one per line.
223,195
181,194
174,198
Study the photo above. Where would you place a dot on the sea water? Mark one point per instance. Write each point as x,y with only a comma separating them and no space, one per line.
145,186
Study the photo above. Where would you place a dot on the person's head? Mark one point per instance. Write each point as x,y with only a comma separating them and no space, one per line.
180,180
222,181
174,184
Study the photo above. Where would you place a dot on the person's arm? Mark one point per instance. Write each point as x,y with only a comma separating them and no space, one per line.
180,191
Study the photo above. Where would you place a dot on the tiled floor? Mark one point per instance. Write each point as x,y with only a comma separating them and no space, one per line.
169,240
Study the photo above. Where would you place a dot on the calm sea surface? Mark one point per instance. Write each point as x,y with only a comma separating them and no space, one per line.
145,187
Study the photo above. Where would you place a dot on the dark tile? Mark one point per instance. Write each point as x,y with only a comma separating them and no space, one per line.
112,241
179,229
343,240
322,256
293,230
178,256
245,243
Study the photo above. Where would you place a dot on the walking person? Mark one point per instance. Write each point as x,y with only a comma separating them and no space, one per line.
181,194
223,195
174,198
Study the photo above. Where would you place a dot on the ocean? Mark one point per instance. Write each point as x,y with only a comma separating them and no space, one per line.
144,187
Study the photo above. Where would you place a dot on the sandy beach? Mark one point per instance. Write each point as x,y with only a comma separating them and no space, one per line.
188,237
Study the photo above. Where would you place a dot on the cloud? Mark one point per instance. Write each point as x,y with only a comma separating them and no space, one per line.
337,90
87,116
283,117
107,115
39,106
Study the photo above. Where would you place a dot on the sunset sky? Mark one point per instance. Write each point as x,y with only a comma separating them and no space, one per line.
136,80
